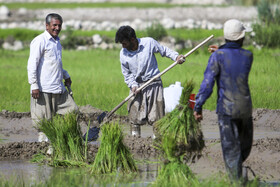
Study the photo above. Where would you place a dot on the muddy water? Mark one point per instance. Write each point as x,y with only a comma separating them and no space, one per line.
35,173
25,170
32,173
264,158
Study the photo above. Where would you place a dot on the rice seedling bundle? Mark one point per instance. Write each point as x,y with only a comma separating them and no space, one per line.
173,171
181,125
113,155
174,174
65,137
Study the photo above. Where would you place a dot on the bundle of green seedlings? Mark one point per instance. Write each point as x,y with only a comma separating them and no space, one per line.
65,138
173,172
178,137
181,124
113,155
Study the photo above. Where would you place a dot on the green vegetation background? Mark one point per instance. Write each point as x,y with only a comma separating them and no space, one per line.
98,81
96,74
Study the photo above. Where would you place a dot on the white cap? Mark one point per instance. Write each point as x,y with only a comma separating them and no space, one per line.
234,30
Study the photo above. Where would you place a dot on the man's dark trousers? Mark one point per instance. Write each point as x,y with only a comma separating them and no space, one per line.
236,140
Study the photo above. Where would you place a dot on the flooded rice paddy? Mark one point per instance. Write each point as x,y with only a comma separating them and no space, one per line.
18,144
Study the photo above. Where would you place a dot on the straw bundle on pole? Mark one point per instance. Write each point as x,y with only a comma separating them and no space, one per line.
113,155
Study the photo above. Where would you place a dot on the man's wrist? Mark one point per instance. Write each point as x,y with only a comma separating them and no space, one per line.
34,86
198,109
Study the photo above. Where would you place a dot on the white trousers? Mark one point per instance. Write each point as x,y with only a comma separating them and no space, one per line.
148,105
48,104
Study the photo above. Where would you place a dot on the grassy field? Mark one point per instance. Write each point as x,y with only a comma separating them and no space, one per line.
182,34
98,81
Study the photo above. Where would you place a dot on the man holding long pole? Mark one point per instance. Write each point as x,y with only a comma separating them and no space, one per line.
139,65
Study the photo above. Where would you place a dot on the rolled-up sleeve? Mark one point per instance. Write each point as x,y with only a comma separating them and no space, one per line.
65,74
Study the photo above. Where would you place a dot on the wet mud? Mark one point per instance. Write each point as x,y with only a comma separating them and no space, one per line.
18,140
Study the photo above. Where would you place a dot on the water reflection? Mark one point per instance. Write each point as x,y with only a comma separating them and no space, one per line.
25,170
32,173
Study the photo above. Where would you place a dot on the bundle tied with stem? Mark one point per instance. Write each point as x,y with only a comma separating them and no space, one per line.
172,171
182,126
113,155
179,137
64,135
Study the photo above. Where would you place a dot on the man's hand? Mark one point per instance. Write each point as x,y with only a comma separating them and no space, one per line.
180,59
35,93
213,48
134,90
68,82
198,116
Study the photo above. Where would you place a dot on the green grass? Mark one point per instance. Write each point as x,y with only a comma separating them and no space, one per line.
98,81
182,34
194,34
19,34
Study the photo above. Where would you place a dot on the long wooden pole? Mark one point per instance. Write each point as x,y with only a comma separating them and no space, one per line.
158,75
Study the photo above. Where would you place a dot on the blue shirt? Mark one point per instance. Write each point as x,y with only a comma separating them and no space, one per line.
141,65
229,66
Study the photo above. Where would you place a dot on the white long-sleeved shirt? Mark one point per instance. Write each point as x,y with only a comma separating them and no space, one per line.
44,67
141,65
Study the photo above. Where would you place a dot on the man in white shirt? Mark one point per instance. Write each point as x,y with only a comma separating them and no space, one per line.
139,65
45,75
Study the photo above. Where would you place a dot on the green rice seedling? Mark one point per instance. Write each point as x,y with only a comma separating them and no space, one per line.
172,178
83,178
114,179
113,155
66,140
38,158
175,174
181,125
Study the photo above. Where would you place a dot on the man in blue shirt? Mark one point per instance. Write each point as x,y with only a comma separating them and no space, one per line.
139,65
229,66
